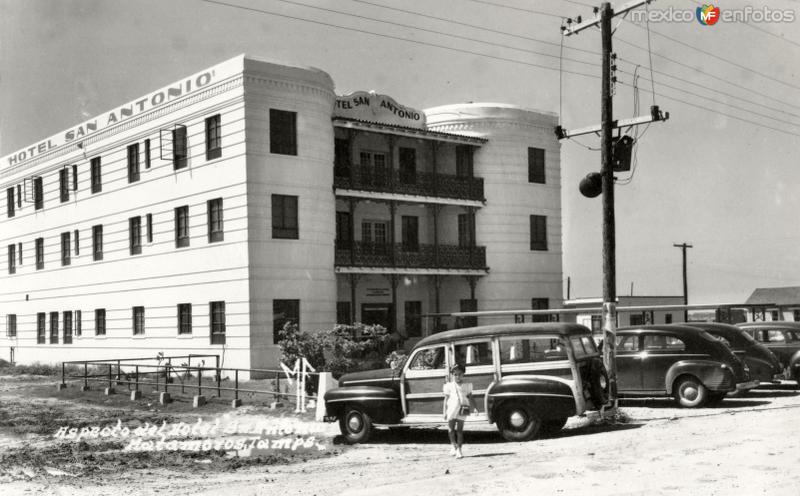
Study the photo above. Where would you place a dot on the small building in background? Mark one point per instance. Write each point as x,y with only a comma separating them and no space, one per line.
592,318
771,304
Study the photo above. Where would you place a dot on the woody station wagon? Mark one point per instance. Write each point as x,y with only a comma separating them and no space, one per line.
527,379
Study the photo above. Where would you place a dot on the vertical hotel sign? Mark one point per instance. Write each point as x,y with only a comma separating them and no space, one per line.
373,107
152,101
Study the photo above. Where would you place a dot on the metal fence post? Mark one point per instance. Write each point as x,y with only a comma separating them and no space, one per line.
236,384
277,385
109,376
199,382
137,377
63,373
156,378
85,375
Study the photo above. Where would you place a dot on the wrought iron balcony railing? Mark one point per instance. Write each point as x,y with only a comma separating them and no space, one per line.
409,183
419,256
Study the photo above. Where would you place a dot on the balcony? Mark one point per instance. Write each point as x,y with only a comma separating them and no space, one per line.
361,254
409,183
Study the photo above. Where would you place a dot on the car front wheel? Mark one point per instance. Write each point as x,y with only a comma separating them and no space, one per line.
517,423
355,426
690,392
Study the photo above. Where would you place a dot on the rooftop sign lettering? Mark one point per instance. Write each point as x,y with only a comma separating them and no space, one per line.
373,107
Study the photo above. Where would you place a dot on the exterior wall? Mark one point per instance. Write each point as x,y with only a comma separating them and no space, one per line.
517,274
301,268
162,276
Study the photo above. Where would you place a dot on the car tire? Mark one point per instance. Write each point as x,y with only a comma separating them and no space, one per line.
552,426
356,426
690,392
517,423
599,384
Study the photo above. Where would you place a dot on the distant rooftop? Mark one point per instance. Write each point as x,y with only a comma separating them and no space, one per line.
775,296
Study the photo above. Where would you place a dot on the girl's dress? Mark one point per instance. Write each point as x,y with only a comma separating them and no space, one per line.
456,395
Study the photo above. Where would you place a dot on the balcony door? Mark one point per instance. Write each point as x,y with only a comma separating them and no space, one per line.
408,165
343,230
410,233
374,236
373,166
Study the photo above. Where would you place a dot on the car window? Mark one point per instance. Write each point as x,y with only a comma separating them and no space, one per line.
748,337
528,350
428,359
583,346
794,336
724,340
474,354
775,336
628,343
662,342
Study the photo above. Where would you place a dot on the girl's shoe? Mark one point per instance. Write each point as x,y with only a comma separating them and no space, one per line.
453,451
458,453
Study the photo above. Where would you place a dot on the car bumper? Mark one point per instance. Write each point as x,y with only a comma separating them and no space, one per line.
744,386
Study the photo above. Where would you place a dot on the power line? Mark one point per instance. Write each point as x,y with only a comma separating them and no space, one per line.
387,36
518,9
716,57
678,100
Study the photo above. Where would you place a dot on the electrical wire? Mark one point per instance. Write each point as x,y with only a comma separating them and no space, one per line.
399,38
518,9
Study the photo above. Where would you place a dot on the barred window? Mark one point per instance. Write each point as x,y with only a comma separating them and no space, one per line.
217,321
184,318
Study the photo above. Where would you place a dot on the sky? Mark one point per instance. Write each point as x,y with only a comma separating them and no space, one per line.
720,174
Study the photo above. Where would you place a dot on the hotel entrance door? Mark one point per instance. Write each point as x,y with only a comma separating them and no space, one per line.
377,313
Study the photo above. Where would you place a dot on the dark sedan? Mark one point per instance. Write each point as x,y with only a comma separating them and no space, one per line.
764,364
783,339
680,361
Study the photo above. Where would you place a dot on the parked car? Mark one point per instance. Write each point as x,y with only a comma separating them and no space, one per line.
764,365
783,339
680,361
527,378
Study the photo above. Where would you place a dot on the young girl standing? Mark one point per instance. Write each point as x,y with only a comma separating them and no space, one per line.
457,404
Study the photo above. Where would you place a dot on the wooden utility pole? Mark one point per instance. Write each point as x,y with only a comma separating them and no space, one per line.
607,125
683,247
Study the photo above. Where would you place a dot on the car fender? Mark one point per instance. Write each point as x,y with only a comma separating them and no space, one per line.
547,396
714,375
380,403
761,369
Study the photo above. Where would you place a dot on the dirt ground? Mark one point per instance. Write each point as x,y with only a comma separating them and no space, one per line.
748,445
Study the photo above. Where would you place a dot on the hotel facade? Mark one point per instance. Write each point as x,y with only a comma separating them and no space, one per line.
205,215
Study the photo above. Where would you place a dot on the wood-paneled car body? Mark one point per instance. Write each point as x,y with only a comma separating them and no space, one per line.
527,378
680,361
783,339
763,364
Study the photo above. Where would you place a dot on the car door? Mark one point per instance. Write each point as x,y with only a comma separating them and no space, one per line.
423,378
629,363
661,350
477,358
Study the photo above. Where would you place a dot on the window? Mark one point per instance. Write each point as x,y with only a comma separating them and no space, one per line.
12,258
100,322
538,232
284,217
464,161
63,182
41,336
67,327
74,178
282,132
531,350
135,235
76,234
149,228
133,163
536,165
147,153
341,157
39,253
343,312
466,230
213,137
19,250
413,318
11,325
428,359
775,315
468,305
637,319
540,304
214,214
53,327
284,312
628,343
408,165
663,343
375,234
96,175
410,232
343,230
374,167
184,318
138,321
65,249
179,147
796,314
668,318
474,354
182,226
38,193
10,203
97,242
216,316
78,322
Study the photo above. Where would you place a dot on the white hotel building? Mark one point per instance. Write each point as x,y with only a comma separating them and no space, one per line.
203,216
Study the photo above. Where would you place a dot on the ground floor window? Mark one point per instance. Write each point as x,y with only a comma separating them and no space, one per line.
284,312
217,324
